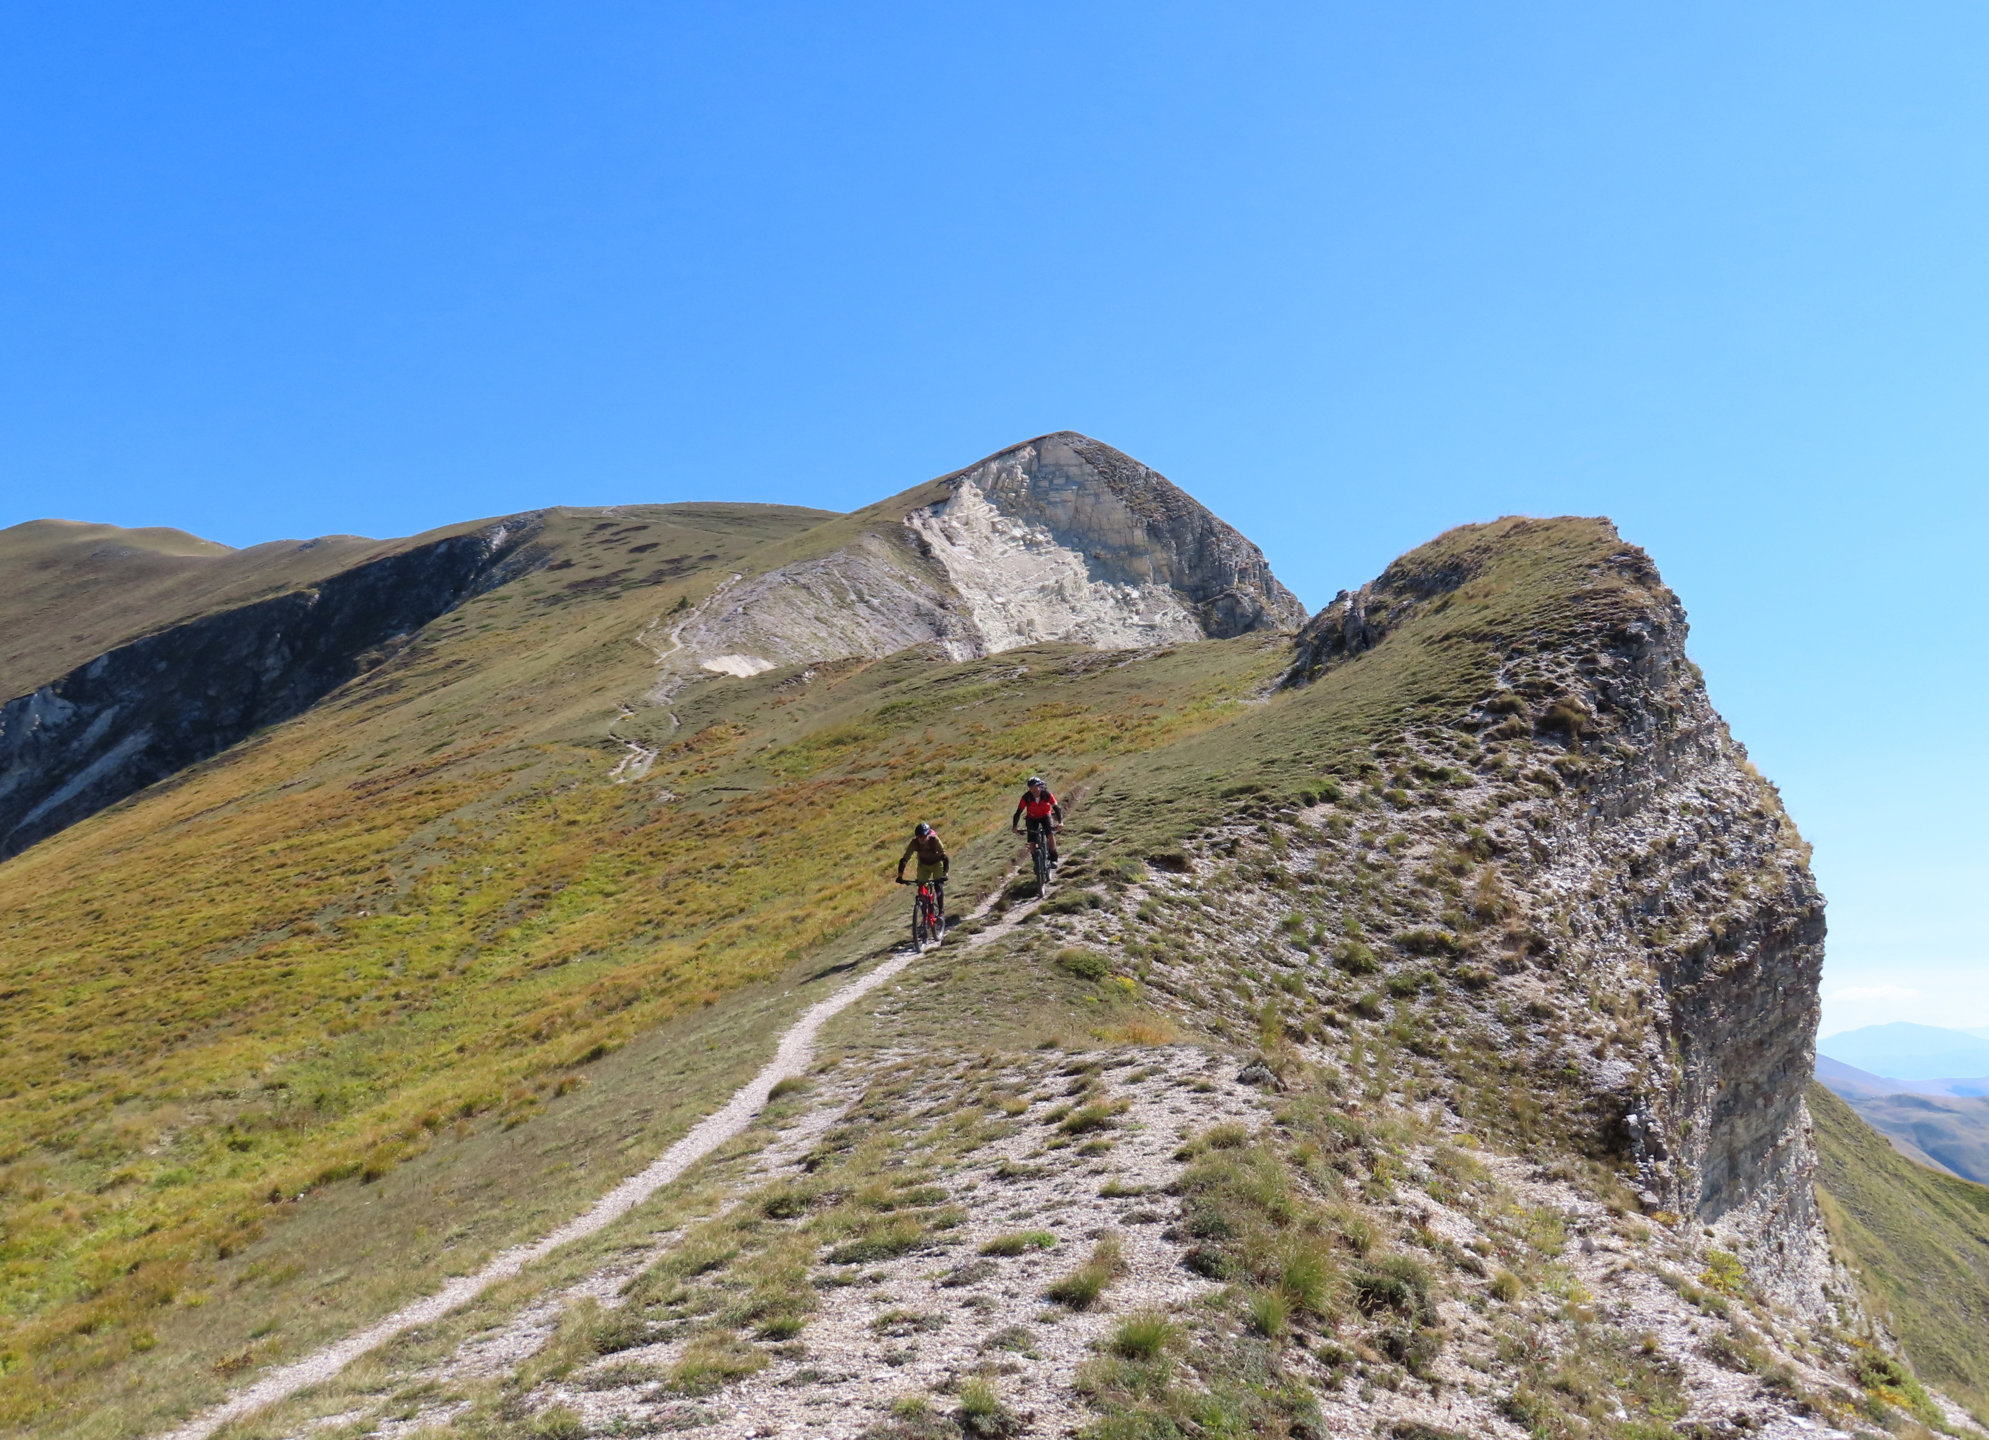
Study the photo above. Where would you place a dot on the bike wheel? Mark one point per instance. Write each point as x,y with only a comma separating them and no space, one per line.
1040,853
921,929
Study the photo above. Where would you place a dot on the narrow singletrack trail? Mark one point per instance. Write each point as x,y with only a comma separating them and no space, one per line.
665,692
792,1057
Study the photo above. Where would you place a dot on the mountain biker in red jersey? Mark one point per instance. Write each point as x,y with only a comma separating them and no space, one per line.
1040,808
934,864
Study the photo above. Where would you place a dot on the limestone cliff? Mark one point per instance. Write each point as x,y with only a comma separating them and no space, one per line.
1656,877
1060,538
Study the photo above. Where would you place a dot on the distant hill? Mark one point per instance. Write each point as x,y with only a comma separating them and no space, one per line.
1949,1133
1904,1051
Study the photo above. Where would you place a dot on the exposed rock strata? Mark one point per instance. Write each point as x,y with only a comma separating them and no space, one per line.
143,711
1657,872
1066,538
1060,538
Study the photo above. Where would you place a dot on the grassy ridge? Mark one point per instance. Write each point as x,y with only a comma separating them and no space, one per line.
421,905
420,911
1918,1242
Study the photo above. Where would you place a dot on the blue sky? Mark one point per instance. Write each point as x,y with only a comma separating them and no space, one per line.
1350,274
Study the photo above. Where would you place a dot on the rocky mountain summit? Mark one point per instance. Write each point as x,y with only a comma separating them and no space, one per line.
1060,538
503,1026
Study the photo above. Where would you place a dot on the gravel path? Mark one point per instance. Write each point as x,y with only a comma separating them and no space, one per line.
795,1053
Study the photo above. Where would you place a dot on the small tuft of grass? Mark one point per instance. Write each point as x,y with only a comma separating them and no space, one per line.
982,1416
558,1422
1143,1336
1019,1242
1080,1289
1270,1314
1016,1338
713,1361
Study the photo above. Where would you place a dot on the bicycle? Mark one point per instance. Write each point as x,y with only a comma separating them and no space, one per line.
927,923
1039,853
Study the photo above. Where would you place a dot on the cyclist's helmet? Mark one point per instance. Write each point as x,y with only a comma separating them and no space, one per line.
1035,779
921,829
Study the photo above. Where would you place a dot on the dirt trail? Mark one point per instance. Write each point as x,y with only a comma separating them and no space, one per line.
665,691
792,1057
635,764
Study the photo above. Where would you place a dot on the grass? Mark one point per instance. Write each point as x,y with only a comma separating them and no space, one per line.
1143,1336
1918,1242
1019,1243
1080,1289
319,957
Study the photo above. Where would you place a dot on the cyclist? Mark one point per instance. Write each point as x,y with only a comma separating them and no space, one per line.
1045,816
934,863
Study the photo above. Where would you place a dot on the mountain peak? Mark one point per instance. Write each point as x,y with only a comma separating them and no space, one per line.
1143,544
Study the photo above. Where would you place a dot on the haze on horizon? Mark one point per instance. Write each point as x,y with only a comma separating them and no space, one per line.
1349,277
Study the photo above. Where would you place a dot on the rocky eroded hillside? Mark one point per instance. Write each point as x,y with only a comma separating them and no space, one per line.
1415,1042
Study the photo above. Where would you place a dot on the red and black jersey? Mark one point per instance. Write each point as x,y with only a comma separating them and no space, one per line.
1034,807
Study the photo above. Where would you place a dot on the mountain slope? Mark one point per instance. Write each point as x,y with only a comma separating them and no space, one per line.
72,591
1918,1244
1950,1134
1482,963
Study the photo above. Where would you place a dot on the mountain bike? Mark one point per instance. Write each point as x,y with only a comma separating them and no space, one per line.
1039,853
927,923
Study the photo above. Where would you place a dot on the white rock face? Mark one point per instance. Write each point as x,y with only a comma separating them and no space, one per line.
1057,539
1021,586
740,665
864,599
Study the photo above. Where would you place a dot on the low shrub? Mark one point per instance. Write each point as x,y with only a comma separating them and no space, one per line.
1085,964
1355,958
1397,1283
1426,940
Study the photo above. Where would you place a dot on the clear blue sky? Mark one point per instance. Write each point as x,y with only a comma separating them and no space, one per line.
1350,274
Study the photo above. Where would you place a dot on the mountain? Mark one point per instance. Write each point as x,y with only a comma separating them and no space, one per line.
1949,1133
1906,1051
485,946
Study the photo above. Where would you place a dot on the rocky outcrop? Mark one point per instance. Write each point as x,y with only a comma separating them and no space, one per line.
1660,888
1059,539
143,711
1063,537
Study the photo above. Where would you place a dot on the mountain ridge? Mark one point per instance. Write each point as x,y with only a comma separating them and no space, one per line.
1471,957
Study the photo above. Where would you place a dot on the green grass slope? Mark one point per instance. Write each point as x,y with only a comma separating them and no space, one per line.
419,915
1918,1242
408,978
70,591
